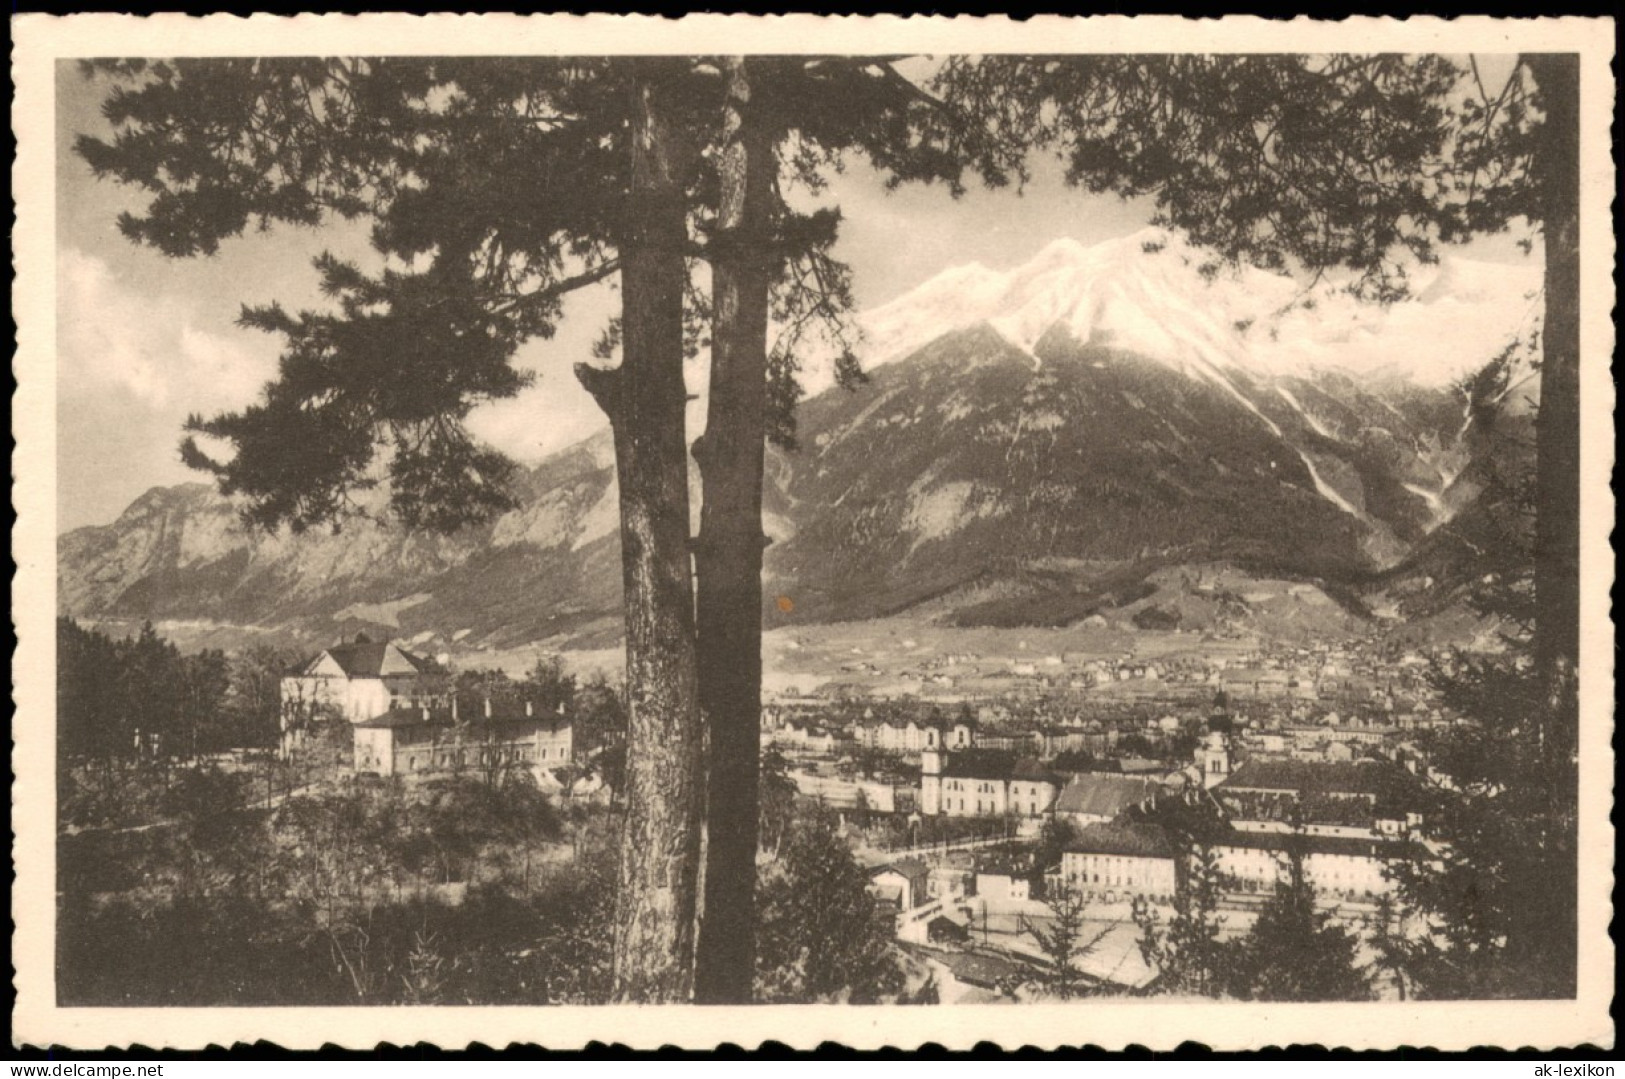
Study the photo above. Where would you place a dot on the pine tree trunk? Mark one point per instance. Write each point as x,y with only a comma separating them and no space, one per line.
1557,529
645,398
1551,941
728,558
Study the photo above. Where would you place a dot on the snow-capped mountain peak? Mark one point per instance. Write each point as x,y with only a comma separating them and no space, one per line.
1155,294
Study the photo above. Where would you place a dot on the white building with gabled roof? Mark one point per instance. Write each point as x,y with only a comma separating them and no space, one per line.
358,680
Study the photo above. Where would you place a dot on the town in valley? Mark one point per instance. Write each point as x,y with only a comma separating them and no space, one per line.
972,789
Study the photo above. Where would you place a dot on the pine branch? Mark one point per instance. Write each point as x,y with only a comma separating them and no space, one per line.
554,291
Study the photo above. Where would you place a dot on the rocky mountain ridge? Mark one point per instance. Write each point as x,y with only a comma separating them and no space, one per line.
1032,447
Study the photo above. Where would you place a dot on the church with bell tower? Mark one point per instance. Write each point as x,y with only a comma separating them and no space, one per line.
1214,756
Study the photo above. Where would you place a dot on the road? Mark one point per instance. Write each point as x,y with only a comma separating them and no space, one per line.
871,857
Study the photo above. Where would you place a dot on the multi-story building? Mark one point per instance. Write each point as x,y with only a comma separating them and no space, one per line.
1003,878
357,680
914,736
984,783
807,736
1354,800
415,740
1121,861
1339,867
1124,860
1010,742
1051,741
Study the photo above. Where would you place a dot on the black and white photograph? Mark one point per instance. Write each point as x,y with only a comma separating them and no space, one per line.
521,519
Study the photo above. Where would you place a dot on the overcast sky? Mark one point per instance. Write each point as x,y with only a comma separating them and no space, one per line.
143,340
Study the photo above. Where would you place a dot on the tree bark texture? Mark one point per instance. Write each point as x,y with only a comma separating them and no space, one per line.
728,556
656,901
1550,943
1557,443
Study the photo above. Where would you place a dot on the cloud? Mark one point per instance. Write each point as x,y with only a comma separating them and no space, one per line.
555,411
157,351
135,357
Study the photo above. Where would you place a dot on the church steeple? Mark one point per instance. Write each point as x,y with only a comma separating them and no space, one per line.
1213,756
931,766
1214,759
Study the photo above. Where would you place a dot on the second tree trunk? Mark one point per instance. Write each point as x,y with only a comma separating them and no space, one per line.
728,556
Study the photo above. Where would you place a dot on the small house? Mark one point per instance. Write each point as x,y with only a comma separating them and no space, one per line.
902,883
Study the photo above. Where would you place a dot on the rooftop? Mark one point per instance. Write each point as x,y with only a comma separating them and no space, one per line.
936,722
1031,768
984,969
1135,840
1005,864
401,716
1136,765
441,715
1369,779
1097,794
364,658
1347,846
980,764
912,868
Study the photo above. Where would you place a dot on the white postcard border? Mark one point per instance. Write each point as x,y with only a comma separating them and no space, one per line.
39,41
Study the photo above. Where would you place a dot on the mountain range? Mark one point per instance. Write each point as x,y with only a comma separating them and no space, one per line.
1032,447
